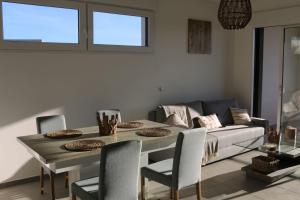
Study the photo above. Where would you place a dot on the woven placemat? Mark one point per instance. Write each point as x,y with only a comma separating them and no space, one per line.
130,124
154,132
63,134
84,145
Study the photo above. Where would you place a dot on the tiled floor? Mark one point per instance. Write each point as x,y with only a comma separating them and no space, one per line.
221,180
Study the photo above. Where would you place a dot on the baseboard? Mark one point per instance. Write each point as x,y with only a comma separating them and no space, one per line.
19,182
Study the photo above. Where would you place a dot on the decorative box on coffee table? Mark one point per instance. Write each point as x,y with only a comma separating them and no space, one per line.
265,164
270,170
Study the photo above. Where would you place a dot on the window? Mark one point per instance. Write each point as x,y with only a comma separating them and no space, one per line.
39,23
119,29
33,25
74,25
116,29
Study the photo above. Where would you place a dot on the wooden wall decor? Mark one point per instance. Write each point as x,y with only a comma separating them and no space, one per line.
199,36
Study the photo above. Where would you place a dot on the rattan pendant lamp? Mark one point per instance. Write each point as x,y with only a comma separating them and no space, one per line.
234,14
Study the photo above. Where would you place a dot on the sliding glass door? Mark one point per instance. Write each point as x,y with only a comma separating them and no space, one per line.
268,74
290,109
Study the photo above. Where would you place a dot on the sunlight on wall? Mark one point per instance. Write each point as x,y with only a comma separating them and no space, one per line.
21,164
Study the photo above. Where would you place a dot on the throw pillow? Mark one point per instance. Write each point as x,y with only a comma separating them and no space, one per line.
179,110
210,121
175,120
240,116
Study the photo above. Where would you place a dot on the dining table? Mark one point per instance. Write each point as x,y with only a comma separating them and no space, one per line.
52,155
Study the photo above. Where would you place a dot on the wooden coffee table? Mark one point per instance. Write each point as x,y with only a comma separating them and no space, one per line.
288,152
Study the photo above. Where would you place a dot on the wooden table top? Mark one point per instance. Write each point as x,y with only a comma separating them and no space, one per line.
48,150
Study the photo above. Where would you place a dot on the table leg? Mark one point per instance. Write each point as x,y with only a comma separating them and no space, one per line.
52,184
42,180
73,177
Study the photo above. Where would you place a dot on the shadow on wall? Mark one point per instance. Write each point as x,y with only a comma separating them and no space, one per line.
19,164
80,94
26,168
80,84
31,190
42,84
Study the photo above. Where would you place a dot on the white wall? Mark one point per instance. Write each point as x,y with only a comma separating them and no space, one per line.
242,63
77,84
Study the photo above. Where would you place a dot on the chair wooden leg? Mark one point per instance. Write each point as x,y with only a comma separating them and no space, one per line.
42,180
52,186
199,191
171,193
176,194
66,180
73,196
142,188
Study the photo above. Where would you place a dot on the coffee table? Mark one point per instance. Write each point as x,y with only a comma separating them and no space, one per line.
287,151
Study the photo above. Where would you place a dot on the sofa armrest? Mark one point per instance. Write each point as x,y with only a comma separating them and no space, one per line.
157,115
260,122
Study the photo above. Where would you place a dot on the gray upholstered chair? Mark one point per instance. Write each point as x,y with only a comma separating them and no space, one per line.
119,171
44,125
109,112
184,169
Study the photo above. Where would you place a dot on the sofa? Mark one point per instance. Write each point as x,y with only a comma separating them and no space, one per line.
228,135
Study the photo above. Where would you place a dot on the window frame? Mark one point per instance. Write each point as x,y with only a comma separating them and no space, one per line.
149,34
22,45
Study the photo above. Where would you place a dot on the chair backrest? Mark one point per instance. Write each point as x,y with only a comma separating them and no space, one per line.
110,112
188,158
47,124
119,171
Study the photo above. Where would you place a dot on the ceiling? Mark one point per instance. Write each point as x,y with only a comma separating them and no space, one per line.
260,5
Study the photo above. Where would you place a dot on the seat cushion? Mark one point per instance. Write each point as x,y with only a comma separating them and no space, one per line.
221,109
87,189
160,172
230,135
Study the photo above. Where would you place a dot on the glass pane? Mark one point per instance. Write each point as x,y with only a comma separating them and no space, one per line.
116,29
24,22
290,117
